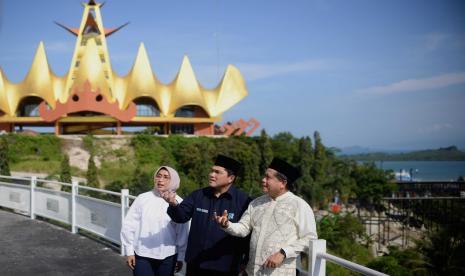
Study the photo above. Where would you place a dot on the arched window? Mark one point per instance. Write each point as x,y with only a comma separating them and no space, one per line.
191,111
29,107
146,107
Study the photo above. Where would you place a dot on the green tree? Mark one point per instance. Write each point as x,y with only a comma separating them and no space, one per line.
304,159
372,183
338,179
141,181
65,170
389,265
444,250
409,258
284,145
340,232
88,142
92,177
318,172
320,158
4,157
196,161
266,151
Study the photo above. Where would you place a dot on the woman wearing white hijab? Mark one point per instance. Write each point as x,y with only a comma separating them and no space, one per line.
154,244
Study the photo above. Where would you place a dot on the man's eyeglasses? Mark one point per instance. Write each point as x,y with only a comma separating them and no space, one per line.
164,177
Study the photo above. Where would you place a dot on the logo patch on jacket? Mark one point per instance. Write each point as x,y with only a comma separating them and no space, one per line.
202,210
230,216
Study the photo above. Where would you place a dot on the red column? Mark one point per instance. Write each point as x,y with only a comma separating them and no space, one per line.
57,128
118,128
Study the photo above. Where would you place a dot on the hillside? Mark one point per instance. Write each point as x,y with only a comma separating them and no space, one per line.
451,153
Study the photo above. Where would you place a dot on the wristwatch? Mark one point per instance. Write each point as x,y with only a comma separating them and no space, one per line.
283,252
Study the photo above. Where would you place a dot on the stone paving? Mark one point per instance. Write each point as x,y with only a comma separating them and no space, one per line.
34,247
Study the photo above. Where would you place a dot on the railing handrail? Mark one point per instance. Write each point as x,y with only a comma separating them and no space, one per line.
317,250
350,265
65,184
16,177
53,182
99,190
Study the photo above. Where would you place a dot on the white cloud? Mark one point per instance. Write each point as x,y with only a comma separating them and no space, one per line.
437,127
254,71
410,85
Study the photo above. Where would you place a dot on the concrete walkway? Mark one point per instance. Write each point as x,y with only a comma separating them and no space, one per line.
34,247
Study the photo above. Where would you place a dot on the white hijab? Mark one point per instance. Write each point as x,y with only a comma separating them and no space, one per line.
174,178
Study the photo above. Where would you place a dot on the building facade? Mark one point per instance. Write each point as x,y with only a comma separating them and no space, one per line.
92,97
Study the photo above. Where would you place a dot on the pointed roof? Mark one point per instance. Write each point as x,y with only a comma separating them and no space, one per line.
91,64
91,25
185,86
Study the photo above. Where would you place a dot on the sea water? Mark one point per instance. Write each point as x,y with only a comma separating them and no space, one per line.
425,170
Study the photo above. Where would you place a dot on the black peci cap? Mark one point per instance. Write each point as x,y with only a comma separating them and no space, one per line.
228,163
291,172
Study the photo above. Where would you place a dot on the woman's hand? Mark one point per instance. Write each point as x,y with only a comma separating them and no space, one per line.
131,261
170,197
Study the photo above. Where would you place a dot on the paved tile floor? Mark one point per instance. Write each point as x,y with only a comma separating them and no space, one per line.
34,247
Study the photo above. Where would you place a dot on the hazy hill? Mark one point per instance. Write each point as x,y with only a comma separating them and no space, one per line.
451,153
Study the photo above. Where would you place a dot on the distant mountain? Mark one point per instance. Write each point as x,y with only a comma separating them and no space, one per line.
353,150
451,153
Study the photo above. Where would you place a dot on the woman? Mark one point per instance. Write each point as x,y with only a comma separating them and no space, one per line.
154,244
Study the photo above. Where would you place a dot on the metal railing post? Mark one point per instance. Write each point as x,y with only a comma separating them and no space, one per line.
316,265
32,199
124,205
74,193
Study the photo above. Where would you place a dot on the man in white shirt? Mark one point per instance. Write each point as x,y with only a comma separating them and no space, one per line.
154,244
282,224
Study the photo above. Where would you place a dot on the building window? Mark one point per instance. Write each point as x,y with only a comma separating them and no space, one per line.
191,111
31,110
29,107
146,107
185,111
182,129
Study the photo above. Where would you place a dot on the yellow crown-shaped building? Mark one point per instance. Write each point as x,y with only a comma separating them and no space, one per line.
91,96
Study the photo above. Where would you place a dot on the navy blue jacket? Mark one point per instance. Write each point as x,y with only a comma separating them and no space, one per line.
208,246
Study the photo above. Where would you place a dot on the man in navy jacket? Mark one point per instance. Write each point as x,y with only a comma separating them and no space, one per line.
210,251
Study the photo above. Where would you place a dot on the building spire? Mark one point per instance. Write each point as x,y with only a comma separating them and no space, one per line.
91,24
91,34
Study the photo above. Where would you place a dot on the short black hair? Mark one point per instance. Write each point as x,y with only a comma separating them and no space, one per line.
283,178
230,172
233,173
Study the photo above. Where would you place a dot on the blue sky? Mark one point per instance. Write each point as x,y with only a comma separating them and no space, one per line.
378,74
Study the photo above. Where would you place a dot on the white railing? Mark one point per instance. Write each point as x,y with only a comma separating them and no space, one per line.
100,217
318,257
104,218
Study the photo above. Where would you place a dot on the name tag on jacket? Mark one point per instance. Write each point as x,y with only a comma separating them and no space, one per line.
202,210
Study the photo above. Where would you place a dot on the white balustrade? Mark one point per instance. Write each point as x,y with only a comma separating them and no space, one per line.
104,218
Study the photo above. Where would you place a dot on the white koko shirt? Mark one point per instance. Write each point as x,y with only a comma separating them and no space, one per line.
148,231
287,222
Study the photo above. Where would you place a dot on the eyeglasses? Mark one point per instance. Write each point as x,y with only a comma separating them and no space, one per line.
164,177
